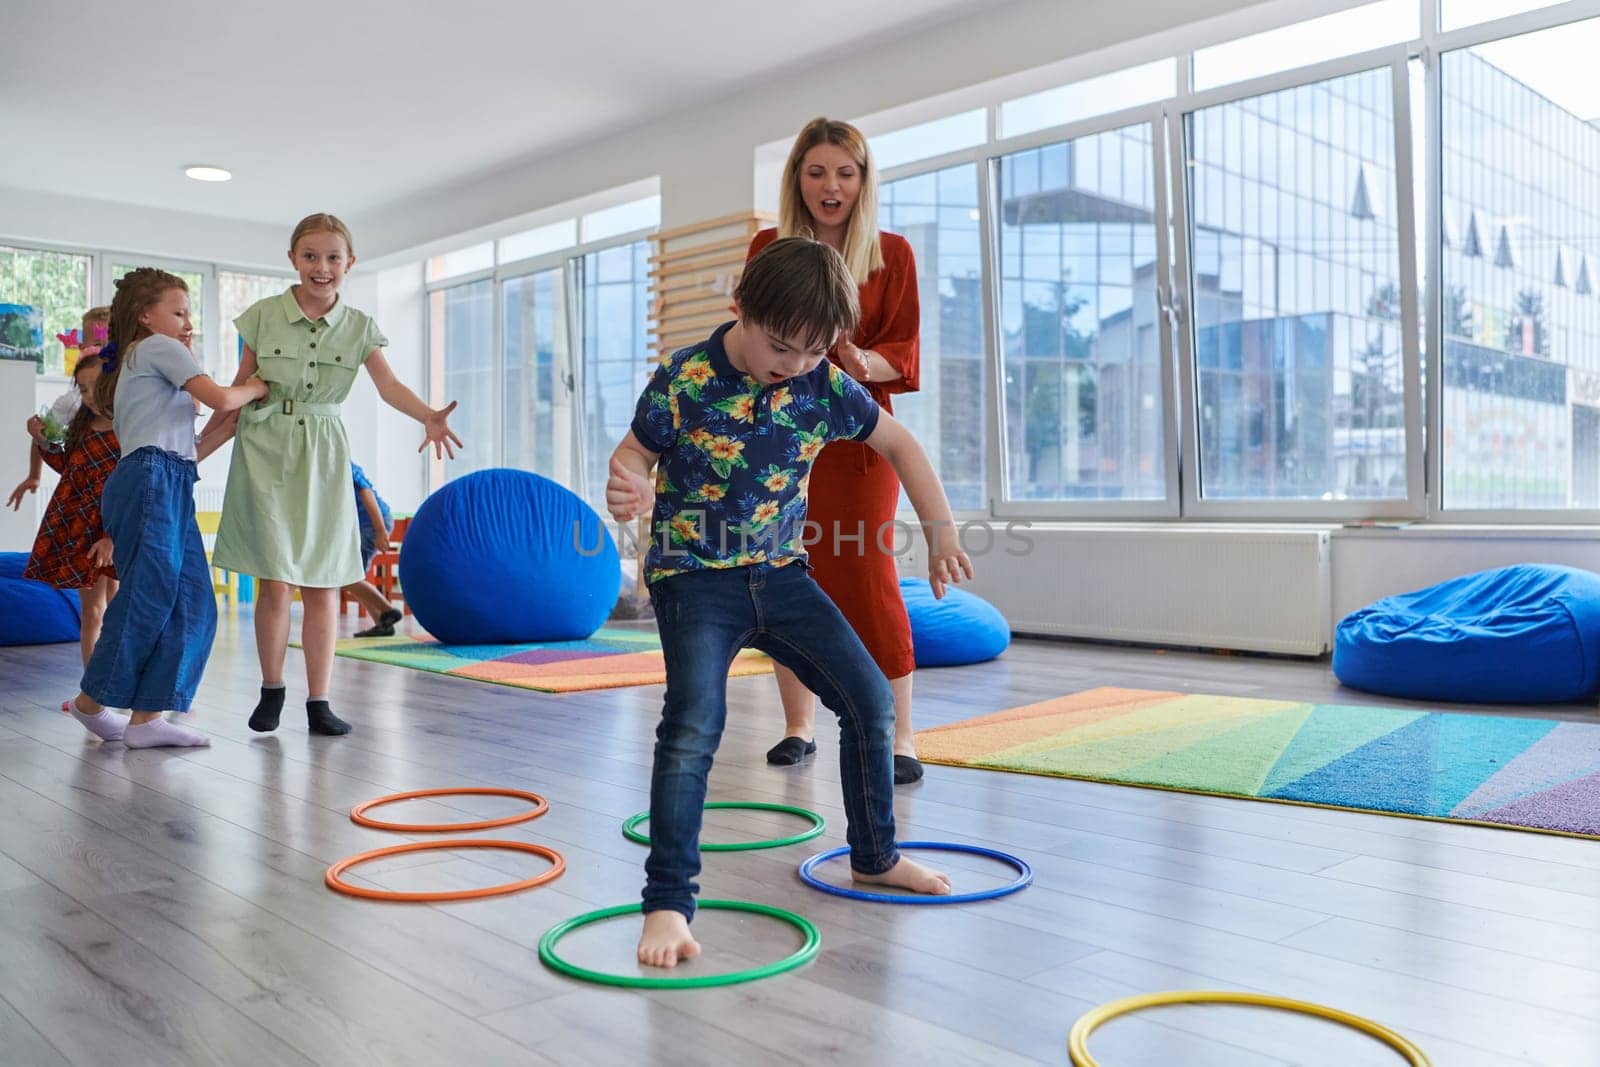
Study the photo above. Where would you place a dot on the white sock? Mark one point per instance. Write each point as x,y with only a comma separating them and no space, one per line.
159,733
106,725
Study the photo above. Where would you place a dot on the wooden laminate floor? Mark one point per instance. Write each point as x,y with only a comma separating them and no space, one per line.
164,907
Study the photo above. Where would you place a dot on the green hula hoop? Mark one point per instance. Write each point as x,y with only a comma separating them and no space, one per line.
801,956
631,832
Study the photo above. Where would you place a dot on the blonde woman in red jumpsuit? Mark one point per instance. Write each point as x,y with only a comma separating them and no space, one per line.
830,193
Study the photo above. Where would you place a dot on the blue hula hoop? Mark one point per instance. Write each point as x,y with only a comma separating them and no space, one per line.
1024,876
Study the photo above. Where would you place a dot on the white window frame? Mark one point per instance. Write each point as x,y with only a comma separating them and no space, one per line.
1420,294
579,380
1000,504
1195,506
569,261
977,157
1434,45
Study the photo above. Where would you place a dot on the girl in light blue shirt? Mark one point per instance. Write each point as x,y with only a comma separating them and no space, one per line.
158,630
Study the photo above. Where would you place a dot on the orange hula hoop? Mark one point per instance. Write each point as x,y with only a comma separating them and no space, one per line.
360,818
336,883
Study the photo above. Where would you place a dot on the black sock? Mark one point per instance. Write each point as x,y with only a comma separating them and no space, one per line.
390,617
264,719
322,720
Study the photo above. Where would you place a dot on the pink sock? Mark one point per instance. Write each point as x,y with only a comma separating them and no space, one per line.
159,733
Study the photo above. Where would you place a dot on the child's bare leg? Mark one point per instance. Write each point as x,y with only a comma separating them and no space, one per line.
92,600
909,875
318,637
272,629
272,645
369,597
666,939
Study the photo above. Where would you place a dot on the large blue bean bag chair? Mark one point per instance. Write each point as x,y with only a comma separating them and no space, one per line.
504,557
961,628
32,613
1516,635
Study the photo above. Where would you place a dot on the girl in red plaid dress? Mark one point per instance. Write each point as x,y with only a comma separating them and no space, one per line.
72,551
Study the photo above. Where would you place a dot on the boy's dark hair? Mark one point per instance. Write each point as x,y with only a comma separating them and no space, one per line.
801,289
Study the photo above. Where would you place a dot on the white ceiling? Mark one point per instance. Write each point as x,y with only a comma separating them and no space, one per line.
355,105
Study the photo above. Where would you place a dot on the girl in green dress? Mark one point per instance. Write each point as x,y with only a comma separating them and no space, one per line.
288,516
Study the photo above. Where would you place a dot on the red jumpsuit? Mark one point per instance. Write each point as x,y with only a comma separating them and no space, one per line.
853,489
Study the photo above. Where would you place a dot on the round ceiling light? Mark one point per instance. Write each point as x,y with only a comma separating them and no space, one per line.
203,173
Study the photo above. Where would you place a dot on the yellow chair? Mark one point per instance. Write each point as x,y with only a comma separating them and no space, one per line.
227,585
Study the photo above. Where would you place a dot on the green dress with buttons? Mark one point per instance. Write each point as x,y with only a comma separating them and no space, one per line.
288,514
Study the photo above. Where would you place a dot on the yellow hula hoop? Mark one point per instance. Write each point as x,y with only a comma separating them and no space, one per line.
1078,1039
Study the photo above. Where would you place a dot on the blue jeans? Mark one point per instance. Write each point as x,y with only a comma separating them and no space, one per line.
159,627
705,618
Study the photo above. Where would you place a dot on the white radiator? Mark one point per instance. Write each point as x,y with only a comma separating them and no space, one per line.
1256,589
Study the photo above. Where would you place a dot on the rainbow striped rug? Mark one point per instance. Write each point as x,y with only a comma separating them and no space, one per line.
1531,774
609,659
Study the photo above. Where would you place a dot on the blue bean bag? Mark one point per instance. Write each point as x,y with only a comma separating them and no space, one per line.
32,613
961,628
505,556
1516,635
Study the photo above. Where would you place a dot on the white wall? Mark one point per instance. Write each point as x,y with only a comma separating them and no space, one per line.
1370,564
383,440
100,224
704,155
17,528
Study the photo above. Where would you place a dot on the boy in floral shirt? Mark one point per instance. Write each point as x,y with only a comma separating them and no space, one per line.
731,427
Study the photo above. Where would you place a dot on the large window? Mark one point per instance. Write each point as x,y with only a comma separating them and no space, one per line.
1079,320
194,276
236,291
615,298
1343,33
1295,288
537,415
543,342
938,213
1520,273
54,283
461,336
1367,285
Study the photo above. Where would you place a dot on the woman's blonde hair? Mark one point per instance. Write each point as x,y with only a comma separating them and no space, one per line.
322,222
862,252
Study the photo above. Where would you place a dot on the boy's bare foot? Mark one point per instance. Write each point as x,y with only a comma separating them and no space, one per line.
666,939
910,875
